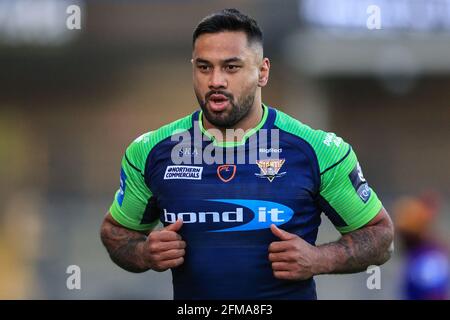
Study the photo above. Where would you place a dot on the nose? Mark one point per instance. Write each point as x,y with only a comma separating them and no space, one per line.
217,80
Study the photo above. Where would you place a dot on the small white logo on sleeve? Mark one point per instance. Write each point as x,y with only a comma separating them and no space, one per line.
332,138
183,172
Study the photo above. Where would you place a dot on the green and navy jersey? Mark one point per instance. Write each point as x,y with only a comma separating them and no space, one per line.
288,177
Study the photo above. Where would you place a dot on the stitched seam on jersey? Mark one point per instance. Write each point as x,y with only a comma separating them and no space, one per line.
315,170
334,165
322,199
132,165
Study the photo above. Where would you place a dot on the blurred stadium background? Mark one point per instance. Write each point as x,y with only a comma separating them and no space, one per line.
72,100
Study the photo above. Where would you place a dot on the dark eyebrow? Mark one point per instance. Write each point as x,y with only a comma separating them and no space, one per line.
234,59
200,60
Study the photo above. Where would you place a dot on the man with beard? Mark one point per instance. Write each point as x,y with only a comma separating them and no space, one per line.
241,228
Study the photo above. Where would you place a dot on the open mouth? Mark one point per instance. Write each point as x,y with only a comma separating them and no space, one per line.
218,102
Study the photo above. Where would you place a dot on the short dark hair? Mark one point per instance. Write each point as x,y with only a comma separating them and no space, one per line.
229,20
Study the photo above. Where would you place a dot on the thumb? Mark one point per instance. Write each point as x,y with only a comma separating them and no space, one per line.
174,226
283,235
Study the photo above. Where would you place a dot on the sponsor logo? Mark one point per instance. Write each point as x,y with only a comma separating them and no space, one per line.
270,168
123,186
359,183
183,172
364,192
195,147
270,150
226,172
264,213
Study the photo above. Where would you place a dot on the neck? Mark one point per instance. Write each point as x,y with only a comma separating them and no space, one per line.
250,121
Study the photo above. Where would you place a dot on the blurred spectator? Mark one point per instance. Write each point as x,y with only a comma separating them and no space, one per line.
426,270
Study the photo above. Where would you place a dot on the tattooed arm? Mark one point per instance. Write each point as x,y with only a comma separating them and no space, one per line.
355,251
123,245
136,252
293,258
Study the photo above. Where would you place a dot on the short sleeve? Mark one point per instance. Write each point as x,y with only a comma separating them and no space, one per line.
345,196
133,200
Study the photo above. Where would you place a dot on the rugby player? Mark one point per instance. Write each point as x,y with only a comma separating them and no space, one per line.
243,226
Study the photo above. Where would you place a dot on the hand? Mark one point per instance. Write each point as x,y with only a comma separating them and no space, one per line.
164,248
292,258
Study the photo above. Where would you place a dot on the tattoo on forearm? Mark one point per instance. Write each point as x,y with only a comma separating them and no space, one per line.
357,250
122,247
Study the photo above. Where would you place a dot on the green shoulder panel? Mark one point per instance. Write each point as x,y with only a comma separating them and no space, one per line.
133,196
139,149
352,203
328,147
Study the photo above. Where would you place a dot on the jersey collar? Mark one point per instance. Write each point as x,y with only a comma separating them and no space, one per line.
232,143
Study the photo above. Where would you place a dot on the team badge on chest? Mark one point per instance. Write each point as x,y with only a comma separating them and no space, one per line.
270,168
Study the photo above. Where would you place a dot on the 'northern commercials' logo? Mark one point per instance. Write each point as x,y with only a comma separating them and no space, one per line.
183,172
265,213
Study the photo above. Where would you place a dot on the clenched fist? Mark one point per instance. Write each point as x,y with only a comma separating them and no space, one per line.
292,258
164,248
